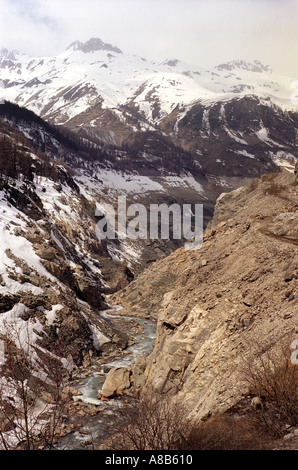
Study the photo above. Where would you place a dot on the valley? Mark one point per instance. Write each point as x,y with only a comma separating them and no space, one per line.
92,124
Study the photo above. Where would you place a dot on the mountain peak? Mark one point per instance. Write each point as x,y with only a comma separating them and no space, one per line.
253,66
8,54
92,45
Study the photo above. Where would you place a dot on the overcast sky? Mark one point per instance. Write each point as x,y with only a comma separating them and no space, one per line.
202,32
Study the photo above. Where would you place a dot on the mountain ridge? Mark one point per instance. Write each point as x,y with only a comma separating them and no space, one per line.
92,45
115,98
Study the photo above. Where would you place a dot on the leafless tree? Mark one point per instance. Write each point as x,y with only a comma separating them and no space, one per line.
32,404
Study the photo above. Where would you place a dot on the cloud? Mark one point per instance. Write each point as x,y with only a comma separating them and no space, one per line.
26,26
203,32
32,11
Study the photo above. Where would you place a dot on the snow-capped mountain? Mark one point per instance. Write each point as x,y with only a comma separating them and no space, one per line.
117,78
115,98
86,74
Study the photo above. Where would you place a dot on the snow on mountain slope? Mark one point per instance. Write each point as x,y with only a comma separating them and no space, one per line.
10,218
84,182
52,270
162,114
202,121
62,87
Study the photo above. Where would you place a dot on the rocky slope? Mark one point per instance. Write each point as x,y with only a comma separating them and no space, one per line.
224,303
53,270
243,136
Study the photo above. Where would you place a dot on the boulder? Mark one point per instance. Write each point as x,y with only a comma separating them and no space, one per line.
46,252
117,382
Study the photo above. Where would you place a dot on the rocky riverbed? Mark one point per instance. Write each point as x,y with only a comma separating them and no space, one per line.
90,417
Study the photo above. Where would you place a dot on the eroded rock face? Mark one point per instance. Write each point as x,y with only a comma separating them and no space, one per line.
217,306
296,172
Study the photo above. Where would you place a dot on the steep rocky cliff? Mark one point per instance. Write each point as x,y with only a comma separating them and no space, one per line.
215,306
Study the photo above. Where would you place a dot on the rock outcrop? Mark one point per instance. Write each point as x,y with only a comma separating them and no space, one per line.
117,382
219,305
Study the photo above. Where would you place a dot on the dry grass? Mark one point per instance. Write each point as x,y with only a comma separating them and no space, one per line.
226,432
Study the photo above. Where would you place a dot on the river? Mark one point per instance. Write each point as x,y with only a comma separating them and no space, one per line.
96,427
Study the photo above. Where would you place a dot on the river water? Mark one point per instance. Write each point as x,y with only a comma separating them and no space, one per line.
96,427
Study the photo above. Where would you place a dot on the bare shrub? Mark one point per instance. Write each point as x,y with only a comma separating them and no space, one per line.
156,423
275,189
274,379
153,422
